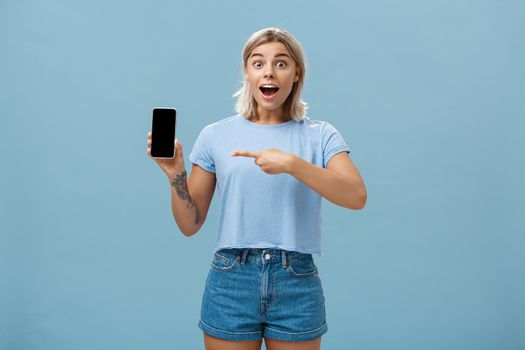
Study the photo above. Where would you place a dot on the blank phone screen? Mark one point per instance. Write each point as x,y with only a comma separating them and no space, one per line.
163,132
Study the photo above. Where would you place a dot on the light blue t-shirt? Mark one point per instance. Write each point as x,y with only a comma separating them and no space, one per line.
261,210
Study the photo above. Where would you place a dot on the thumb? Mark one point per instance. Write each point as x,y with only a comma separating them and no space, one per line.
178,148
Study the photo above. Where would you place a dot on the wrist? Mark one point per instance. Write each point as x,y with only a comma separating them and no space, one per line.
292,161
178,174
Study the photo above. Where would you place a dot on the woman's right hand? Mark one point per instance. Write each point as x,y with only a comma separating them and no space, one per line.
173,166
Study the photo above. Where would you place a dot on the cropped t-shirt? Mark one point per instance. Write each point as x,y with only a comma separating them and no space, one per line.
261,210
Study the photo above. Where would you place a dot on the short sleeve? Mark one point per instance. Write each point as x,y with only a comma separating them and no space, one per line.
333,143
202,152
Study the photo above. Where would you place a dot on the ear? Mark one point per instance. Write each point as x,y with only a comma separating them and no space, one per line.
296,78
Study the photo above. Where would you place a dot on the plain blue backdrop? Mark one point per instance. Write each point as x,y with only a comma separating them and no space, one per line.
429,96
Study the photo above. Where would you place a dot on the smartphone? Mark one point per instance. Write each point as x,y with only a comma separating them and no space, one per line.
163,132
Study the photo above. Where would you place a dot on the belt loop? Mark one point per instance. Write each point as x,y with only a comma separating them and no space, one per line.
283,255
244,254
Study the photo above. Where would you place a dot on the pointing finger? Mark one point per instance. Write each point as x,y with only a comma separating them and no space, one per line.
252,154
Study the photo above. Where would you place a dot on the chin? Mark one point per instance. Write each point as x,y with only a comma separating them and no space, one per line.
269,105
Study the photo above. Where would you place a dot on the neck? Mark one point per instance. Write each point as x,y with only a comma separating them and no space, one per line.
265,116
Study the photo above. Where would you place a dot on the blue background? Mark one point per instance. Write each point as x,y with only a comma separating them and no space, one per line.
429,96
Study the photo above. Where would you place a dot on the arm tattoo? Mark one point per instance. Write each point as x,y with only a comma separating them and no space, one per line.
181,186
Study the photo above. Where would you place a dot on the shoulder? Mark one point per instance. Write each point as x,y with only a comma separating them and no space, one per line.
221,124
320,126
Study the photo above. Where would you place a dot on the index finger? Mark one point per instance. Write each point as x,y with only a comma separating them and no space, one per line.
243,153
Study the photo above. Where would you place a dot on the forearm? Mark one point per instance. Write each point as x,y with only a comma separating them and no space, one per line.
337,188
183,207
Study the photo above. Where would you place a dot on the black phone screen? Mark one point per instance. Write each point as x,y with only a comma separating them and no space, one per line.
163,132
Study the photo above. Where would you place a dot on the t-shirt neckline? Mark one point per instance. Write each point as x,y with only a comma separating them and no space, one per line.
265,125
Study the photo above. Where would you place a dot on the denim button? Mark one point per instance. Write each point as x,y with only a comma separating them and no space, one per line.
267,256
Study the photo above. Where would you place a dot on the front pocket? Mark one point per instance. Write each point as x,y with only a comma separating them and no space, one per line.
302,266
225,262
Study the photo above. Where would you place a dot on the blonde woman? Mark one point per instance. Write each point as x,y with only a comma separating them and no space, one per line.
272,165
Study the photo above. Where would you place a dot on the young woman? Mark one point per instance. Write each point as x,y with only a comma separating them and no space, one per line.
272,164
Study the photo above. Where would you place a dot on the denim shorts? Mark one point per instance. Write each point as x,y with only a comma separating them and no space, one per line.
251,293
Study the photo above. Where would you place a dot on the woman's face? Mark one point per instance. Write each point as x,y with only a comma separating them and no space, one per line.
270,65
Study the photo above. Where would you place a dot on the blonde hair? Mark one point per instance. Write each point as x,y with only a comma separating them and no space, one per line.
294,105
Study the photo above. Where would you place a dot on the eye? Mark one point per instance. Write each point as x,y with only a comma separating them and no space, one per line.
283,63
257,64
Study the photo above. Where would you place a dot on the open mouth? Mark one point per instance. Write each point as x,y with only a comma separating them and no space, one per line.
269,91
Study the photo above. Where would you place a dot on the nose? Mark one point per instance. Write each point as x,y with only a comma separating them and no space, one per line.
268,72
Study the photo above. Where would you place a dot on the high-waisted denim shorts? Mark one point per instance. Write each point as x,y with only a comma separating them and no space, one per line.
252,293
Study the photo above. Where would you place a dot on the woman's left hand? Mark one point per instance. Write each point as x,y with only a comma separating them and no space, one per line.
271,161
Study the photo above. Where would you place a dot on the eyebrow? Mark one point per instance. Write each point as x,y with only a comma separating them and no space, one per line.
278,55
